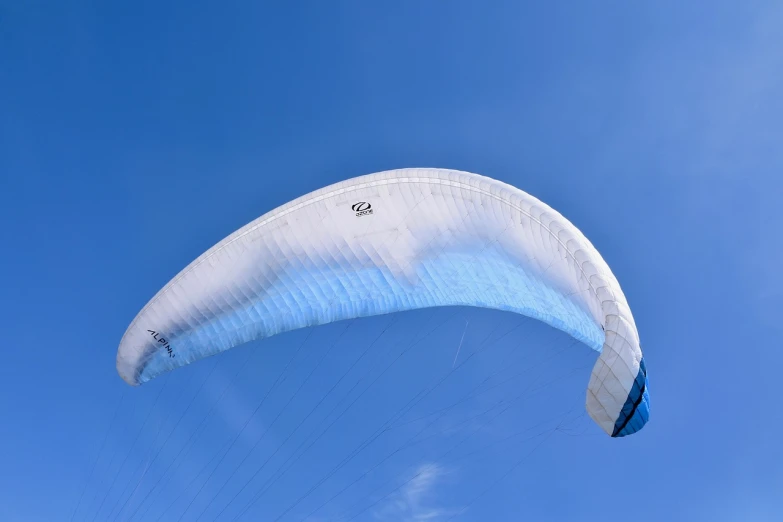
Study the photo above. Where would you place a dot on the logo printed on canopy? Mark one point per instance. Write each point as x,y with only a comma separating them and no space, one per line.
362,208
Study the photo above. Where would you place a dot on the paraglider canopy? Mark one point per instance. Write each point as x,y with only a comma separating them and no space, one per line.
395,241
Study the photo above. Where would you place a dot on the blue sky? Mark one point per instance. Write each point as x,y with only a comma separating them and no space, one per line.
135,136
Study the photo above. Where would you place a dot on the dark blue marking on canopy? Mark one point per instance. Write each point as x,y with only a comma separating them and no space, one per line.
636,410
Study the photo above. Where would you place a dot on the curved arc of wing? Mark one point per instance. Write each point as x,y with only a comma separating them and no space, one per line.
620,362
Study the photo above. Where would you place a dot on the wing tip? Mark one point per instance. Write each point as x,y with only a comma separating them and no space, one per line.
636,411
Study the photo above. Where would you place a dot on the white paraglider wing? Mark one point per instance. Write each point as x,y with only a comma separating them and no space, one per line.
394,241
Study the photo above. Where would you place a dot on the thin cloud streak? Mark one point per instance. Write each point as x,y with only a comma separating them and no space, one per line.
415,501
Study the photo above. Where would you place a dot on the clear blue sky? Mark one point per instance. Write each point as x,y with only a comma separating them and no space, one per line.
135,136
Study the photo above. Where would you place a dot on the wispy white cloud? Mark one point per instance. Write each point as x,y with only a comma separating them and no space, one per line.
233,408
416,501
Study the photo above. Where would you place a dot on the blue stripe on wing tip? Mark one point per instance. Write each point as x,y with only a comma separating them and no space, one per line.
636,410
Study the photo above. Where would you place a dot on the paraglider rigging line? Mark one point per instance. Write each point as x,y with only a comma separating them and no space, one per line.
401,412
247,422
247,454
138,434
259,494
197,432
98,456
166,441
